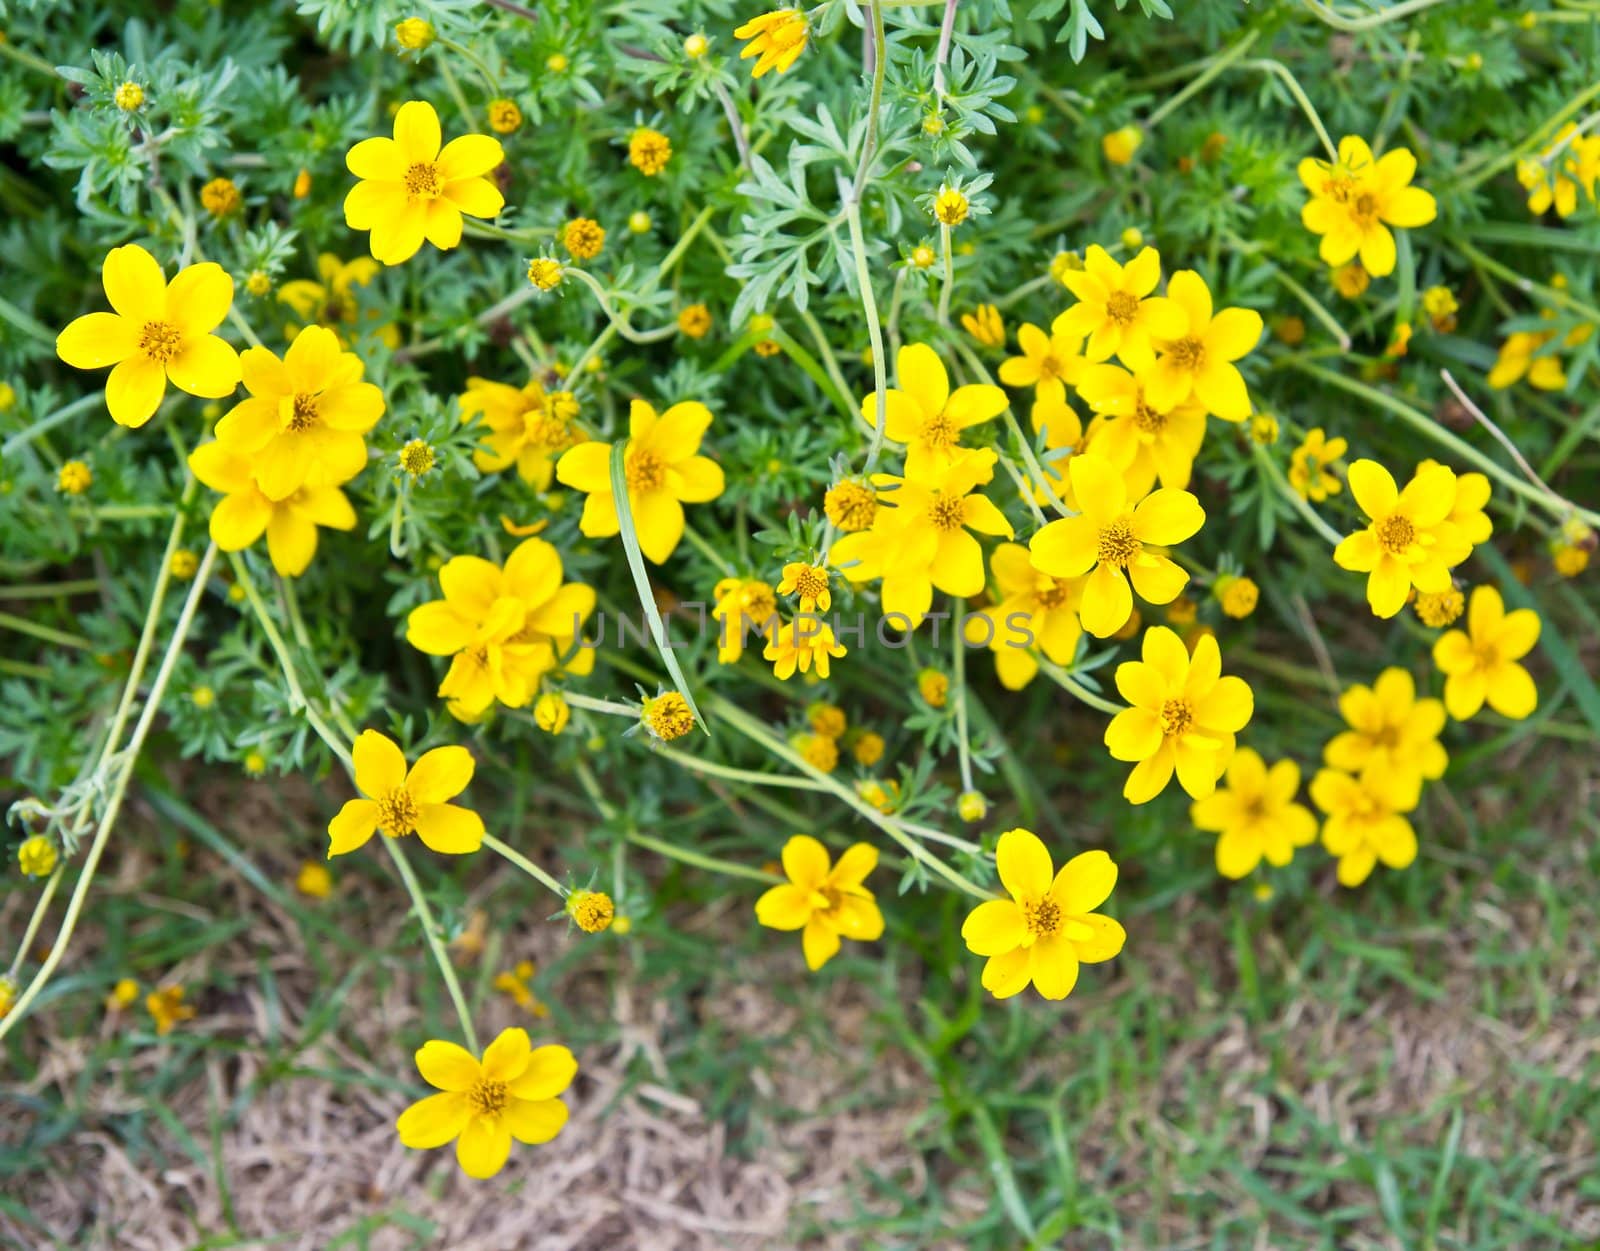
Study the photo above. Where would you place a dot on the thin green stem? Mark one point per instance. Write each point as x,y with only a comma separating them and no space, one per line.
48,634
700,860
869,146
1214,67
526,865
1269,467
46,424
430,931
1073,687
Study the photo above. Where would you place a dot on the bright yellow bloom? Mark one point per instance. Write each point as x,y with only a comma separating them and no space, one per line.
1255,815
583,237
220,197
512,1093
742,607
825,901
1355,201
694,320
649,151
985,324
804,643
545,272
314,881
810,583
306,415
1350,280
1468,513
74,478
159,331
934,687
925,415
128,96
667,716
1032,606
167,1008
827,720
1364,821
1238,596
411,189
1049,362
662,469
1116,310
525,426
333,301
413,33
778,38
1391,731
868,749
1049,926
246,512
1308,465
817,750
950,206
1409,541
1571,163
1568,559
504,628
1440,608
1520,355
504,116
1113,541
850,506
36,857
1480,662
591,910
400,802
1118,146
1145,441
1183,718
1198,364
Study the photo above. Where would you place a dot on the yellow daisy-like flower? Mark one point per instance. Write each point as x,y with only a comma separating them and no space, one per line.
1116,310
1571,163
827,720
128,96
1198,364
512,1093
74,477
1148,442
806,643
400,802
246,512
742,607
158,331
1035,613
1049,926
1183,718
306,415
1308,465
414,187
778,38
1364,821
1238,596
1254,815
1049,362
1480,662
1113,541
332,301
667,716
925,415
167,1008
36,856
649,151
220,197
583,237
868,748
1409,541
663,471
1520,356
694,321
985,324
504,116
810,583
823,900
592,911
1356,200
413,33
1391,730
1350,280
524,426
951,207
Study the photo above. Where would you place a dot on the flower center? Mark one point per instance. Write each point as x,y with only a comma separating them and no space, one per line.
397,812
810,582
1148,420
947,512
422,180
1050,592
487,1097
1189,353
1176,716
1396,534
1122,307
159,340
1049,366
1117,544
1487,654
940,433
1043,918
303,413
1364,208
644,471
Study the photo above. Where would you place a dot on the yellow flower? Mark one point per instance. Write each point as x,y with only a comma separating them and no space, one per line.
413,33
921,537
416,458
1467,513
778,38
1183,612
1391,731
1355,201
246,512
1116,311
314,881
184,565
1198,363
333,302
950,206
1568,559
696,46
1184,716
1439,303
1119,146
827,720
1255,815
817,750
1440,608
649,151
694,321
1409,541
850,506
1569,164
1035,613
926,415
667,716
1350,280
985,324
36,857
1049,362
1238,596
411,189
1049,926
257,283
583,237
122,995
504,116
202,697
662,469
1132,237
8,396
512,1093
971,807
1521,355
810,583
591,910
8,993
1308,465
74,478
742,606
1145,441
1114,540
804,643
306,415
255,764
868,749
128,96
1480,662
302,184
159,331
167,1008
934,687
220,197
400,802
1264,430
516,983
551,712
825,901
1364,821
556,62
526,426
1401,342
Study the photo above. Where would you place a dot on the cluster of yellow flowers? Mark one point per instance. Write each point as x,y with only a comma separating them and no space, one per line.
1555,177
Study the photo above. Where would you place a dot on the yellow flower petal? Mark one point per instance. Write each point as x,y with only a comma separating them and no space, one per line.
433,1121
549,1071
447,1066
484,1144
1024,865
380,766
1084,883
994,928
440,774
449,829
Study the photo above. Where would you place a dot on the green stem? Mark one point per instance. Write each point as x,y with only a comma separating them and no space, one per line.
1215,67
430,931
1269,467
48,633
1075,688
45,424
958,668
700,860
869,146
526,865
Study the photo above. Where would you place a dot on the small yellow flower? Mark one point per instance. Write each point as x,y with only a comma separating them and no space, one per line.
694,321
1524,354
1117,311
517,983
649,151
185,564
1357,199
806,643
818,750
416,457
8,993
1119,146
36,857
1308,465
1238,596
667,716
639,222
1264,430
810,583
401,802
777,38
1289,330
551,713
220,197
1364,821
826,901
257,283
1048,926
1255,815
302,184
203,697
742,606
1182,611
1063,263
556,62
934,687
504,116
827,720
8,396
591,910
868,749
1410,539
950,206
850,506
1440,608
972,807
1439,303
167,1008
696,46
583,237
1570,163
74,478
122,996
1350,280
1480,662
985,325
313,880
1569,560
413,34
128,96
1132,237
482,1105
545,272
